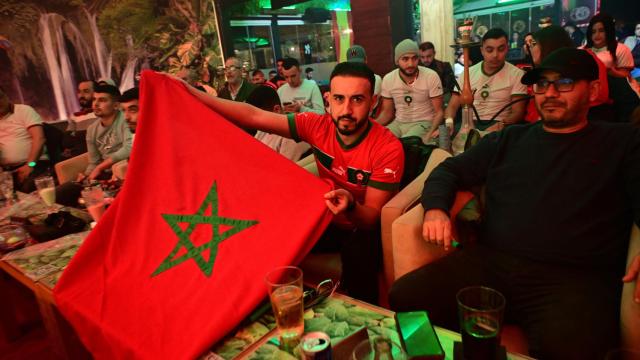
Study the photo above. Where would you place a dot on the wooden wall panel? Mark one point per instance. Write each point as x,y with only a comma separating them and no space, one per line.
372,30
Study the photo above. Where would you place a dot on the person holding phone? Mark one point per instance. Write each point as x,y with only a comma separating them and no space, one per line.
298,94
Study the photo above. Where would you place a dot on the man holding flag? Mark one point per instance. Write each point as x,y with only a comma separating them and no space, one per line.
364,160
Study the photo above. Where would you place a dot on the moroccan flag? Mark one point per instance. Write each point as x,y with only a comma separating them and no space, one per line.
179,259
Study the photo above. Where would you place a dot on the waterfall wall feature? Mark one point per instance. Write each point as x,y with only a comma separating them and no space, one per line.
104,61
58,65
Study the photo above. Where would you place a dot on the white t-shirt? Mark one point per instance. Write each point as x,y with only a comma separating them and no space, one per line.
15,140
623,55
412,102
307,95
492,93
378,85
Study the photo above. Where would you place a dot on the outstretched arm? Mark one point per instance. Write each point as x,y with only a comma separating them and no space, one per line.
242,114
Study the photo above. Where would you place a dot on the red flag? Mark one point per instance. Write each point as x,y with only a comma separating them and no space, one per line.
180,257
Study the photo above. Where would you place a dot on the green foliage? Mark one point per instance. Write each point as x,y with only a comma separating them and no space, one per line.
170,37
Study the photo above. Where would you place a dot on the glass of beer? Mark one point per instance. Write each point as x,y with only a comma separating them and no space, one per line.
93,197
480,310
46,189
285,292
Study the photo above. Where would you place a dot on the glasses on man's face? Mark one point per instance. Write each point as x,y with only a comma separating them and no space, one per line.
561,85
231,68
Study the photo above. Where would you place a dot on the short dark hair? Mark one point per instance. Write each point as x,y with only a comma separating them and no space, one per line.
495,33
308,70
94,84
264,97
277,78
551,39
108,89
289,63
354,69
427,45
129,95
273,72
279,60
256,72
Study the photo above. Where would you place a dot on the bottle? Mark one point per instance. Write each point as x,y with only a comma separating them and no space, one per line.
444,140
461,137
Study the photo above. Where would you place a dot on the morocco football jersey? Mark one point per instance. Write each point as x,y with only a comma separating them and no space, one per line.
376,159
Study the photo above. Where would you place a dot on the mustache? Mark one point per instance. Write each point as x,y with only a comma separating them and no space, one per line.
552,103
346,117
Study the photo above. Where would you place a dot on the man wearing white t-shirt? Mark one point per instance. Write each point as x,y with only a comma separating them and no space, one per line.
494,83
298,94
21,142
411,95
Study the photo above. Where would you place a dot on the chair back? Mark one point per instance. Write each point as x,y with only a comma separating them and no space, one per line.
53,141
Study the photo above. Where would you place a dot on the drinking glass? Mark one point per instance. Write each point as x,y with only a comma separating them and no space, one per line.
93,197
379,347
6,185
46,189
285,292
480,310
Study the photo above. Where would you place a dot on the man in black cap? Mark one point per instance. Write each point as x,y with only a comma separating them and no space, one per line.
561,196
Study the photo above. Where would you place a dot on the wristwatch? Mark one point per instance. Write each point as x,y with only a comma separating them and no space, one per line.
31,164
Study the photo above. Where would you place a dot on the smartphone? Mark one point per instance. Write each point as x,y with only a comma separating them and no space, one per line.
418,336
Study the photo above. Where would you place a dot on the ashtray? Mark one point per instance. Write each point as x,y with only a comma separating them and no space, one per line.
12,237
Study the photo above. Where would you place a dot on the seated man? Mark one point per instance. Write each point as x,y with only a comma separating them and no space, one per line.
298,94
74,142
266,98
561,196
108,140
444,70
494,83
362,158
21,142
129,106
411,96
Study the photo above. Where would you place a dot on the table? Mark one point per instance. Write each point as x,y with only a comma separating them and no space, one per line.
63,339
381,323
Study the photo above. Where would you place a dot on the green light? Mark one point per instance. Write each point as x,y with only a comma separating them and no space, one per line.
508,1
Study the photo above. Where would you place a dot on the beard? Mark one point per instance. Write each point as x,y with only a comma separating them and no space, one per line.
568,119
359,125
84,103
406,73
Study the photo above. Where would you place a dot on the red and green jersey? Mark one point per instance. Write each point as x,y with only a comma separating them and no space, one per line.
376,159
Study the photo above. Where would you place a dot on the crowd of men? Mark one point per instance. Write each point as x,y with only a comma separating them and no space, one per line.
562,191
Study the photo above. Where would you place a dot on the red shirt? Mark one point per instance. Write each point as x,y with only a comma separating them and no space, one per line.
376,159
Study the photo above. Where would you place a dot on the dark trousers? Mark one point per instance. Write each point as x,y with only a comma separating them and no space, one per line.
566,313
361,255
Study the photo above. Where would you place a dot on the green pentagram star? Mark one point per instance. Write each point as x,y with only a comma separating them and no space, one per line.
194,252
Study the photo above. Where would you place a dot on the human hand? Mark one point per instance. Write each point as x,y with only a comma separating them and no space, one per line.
23,172
436,228
292,107
633,274
81,177
94,174
338,200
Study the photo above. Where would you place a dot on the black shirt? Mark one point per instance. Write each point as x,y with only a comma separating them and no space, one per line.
557,198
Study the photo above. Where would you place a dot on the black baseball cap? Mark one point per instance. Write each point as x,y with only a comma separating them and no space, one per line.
108,89
571,63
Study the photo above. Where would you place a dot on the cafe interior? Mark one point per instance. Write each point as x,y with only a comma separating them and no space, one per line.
200,242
